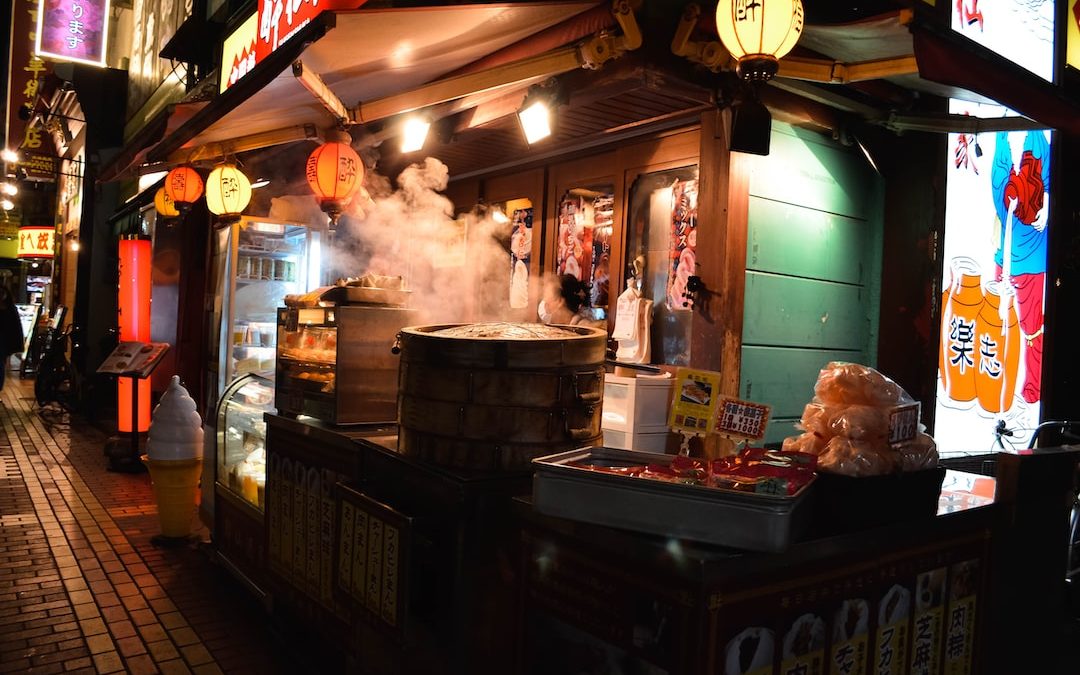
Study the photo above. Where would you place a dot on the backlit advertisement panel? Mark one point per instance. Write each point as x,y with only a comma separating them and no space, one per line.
997,216
73,30
1020,30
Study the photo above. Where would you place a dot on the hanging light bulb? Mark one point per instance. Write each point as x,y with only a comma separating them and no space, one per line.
9,189
228,190
759,34
334,172
7,204
184,186
164,204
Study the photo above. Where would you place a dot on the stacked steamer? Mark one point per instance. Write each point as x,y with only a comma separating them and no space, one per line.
866,475
174,452
493,396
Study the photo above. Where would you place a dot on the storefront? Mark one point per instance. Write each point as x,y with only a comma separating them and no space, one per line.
761,268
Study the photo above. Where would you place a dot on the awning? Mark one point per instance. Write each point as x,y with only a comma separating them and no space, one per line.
919,57
361,55
134,153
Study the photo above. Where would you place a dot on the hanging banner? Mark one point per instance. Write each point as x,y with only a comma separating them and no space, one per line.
997,218
267,29
73,30
37,241
26,74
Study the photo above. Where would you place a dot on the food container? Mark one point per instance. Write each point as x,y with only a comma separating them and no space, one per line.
705,514
494,396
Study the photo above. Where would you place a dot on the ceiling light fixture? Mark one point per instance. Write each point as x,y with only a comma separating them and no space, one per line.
535,118
260,183
9,189
414,133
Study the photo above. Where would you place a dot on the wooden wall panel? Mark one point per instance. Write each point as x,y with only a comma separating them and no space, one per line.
788,311
804,242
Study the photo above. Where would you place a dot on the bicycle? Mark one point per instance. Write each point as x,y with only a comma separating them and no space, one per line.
55,381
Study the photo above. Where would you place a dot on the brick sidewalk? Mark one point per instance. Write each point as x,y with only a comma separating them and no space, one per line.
83,590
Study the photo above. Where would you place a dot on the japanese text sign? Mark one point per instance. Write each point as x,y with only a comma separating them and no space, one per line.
742,419
693,407
25,76
73,30
268,28
36,241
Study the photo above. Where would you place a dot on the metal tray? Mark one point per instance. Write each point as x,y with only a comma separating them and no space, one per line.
710,515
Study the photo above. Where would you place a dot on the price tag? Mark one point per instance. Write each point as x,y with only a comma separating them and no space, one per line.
904,422
742,419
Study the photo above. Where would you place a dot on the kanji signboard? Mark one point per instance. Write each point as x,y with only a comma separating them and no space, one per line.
36,241
73,30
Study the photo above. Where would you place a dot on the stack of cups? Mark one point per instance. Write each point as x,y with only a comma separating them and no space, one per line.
174,454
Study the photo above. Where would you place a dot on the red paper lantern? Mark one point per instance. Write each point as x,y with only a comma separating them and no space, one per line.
184,185
334,172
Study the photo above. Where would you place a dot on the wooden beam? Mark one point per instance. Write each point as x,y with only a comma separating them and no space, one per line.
836,72
266,139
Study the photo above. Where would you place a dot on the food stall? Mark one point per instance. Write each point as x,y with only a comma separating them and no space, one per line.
409,541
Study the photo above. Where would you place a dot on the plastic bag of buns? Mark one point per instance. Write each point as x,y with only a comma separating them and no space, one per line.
847,425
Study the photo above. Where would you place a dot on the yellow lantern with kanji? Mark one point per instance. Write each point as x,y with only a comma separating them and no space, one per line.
334,172
164,204
758,34
228,190
184,186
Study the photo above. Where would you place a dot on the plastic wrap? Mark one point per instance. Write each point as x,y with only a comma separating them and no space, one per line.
852,384
858,458
847,425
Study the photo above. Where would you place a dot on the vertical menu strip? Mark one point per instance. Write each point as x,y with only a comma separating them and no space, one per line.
391,560
360,555
345,558
299,555
313,504
273,513
375,560
286,500
326,540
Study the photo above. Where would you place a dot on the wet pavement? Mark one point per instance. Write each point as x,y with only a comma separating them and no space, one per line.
82,587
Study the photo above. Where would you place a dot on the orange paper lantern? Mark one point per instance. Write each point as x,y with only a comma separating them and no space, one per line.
334,172
183,185
164,204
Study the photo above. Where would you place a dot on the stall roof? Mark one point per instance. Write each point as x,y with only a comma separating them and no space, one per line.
944,64
362,55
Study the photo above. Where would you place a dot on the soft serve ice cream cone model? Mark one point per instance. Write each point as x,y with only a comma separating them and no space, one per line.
174,455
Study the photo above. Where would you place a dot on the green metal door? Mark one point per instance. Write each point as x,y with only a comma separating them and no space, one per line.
813,269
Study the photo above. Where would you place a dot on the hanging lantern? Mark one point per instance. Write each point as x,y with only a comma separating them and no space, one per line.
334,172
164,204
184,186
228,190
758,34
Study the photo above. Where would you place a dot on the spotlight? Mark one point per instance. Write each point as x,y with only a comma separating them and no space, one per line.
260,183
7,204
9,156
9,189
74,245
413,134
538,108
751,128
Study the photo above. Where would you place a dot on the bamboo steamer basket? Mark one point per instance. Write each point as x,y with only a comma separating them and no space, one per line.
495,403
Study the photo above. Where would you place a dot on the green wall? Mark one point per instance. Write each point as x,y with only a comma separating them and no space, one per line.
813,269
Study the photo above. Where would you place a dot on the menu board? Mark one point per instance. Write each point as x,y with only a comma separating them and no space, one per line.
28,316
134,358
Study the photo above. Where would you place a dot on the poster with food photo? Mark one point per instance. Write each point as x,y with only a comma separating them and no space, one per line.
960,636
803,647
928,625
693,408
850,637
682,251
892,634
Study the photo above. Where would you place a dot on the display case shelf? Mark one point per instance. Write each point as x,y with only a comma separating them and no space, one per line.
241,438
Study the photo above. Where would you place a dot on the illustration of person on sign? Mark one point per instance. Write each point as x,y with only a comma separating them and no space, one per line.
1021,199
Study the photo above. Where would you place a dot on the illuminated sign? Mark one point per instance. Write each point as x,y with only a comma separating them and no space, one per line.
1072,43
997,218
1020,31
270,27
73,30
36,241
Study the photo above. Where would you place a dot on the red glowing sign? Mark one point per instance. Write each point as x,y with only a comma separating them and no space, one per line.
134,304
73,30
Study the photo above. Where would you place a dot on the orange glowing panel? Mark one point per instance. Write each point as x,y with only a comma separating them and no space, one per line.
134,311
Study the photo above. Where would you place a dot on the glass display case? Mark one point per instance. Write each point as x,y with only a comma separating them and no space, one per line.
241,442
336,363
